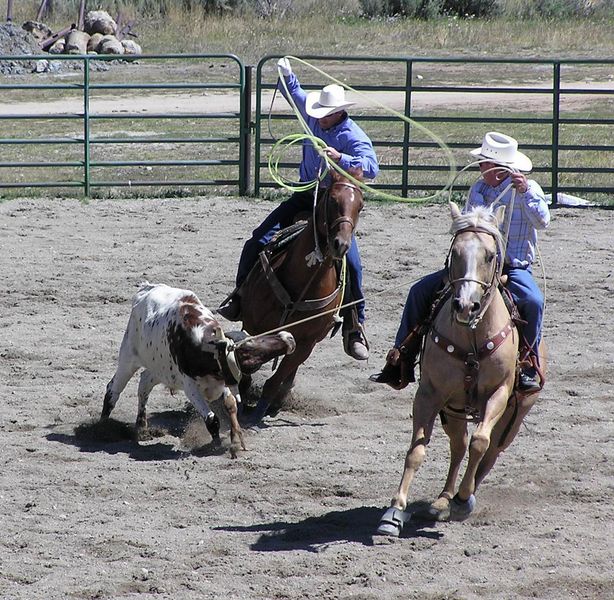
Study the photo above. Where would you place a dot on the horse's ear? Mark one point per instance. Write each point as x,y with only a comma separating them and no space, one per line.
499,214
334,174
455,212
356,173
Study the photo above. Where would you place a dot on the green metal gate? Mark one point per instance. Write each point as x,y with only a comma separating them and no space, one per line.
95,122
162,121
565,126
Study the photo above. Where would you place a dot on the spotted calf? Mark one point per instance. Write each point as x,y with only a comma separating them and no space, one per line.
180,344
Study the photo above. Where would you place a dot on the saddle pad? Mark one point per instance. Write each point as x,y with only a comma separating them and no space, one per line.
284,237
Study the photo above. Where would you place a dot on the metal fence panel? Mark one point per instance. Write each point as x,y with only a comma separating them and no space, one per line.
150,121
563,124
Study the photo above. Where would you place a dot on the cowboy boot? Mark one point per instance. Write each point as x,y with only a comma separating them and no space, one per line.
398,371
530,379
355,341
391,374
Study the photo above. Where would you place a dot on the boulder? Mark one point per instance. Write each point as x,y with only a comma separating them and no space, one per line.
40,31
131,47
58,47
109,44
76,42
94,42
99,21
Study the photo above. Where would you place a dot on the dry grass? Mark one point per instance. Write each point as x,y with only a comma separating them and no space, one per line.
251,39
304,31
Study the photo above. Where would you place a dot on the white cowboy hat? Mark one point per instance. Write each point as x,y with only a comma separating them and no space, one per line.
503,150
329,100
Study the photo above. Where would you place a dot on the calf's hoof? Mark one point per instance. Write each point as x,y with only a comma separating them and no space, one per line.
142,434
212,423
459,509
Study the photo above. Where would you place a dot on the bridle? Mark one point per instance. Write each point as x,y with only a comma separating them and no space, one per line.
333,226
488,287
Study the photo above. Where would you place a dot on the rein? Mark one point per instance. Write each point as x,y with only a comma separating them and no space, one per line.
291,306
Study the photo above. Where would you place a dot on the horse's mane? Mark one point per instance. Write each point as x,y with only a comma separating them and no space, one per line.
481,217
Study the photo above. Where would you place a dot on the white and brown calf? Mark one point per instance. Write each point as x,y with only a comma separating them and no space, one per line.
180,344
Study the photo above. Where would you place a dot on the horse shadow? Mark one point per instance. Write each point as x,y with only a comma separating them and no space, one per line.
115,437
315,534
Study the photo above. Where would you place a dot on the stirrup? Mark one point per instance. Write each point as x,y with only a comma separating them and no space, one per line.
230,308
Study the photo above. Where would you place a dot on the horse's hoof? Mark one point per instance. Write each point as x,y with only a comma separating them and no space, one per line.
391,524
459,509
253,416
439,510
273,410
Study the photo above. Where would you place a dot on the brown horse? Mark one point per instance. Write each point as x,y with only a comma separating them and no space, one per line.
302,282
468,372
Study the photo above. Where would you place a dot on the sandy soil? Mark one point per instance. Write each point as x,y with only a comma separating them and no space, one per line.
88,513
207,103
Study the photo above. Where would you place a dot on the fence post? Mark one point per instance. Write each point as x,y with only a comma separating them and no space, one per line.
86,127
406,129
556,114
245,183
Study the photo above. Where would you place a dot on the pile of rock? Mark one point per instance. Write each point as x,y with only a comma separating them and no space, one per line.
99,36
15,41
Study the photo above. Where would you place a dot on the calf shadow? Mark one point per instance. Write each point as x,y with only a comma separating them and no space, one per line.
315,534
114,437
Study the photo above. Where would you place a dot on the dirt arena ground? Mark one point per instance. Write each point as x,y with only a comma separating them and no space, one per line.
83,516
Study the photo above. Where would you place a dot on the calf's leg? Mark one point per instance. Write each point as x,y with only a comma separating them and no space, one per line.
146,384
236,433
126,368
200,404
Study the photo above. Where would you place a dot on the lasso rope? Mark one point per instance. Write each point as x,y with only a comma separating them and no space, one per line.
282,145
278,148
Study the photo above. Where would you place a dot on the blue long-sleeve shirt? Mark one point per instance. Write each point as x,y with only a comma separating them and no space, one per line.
530,213
346,137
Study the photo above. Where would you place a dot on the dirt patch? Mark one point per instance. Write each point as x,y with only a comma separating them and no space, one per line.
87,513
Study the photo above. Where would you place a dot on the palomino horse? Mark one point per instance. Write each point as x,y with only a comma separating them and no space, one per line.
468,372
302,281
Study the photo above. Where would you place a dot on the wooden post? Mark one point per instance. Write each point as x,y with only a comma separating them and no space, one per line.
81,22
42,9
46,44
9,11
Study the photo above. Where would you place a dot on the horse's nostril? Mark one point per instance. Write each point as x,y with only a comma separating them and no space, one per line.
456,305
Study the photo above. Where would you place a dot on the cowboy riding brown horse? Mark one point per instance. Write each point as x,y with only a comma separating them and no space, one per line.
303,280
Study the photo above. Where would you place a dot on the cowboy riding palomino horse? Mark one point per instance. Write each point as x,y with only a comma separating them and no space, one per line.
468,372
303,280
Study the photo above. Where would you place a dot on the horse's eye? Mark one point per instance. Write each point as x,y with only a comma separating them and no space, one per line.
490,257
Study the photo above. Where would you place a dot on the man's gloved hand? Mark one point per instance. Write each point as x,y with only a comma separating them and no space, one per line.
283,64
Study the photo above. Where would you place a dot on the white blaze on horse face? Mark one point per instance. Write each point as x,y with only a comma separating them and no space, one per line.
469,291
